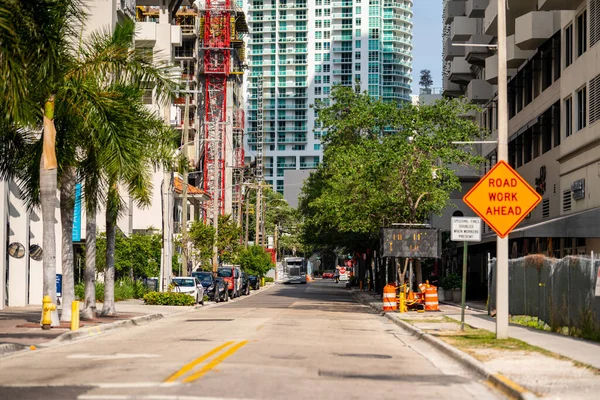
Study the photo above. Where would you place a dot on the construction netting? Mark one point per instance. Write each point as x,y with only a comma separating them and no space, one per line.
559,292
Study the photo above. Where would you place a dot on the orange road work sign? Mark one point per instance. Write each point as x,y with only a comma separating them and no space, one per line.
502,198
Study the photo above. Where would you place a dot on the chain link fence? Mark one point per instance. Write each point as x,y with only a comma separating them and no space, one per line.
559,292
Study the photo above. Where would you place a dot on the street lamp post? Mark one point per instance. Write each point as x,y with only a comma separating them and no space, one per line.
502,243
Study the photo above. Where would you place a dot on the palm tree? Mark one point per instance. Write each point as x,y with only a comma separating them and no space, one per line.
77,91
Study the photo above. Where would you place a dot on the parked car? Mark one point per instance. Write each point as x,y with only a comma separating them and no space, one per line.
216,291
231,275
221,288
254,282
328,275
245,284
189,285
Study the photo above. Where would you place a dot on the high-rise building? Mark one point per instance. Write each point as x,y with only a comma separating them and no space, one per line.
301,49
553,102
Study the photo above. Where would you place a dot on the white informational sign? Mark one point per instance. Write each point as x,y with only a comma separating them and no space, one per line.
598,283
466,229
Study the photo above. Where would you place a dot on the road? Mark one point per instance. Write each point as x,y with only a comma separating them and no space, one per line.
285,342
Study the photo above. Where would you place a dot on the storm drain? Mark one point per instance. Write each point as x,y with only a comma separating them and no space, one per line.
362,355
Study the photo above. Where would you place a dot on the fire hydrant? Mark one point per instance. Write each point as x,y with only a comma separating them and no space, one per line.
47,308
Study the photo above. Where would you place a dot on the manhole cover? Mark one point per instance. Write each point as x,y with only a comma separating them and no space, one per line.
362,355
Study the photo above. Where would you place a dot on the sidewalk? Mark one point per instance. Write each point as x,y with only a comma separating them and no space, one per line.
555,368
20,326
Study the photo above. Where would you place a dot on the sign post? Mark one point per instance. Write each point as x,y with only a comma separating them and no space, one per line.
502,199
465,230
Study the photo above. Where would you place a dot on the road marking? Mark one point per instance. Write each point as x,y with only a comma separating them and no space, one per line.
189,366
117,356
214,362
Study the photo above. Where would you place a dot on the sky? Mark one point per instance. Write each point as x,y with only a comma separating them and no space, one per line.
427,41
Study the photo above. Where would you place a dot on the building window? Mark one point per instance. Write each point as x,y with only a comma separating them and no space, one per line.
581,33
582,108
357,33
318,57
327,35
358,21
318,68
326,90
358,11
357,55
318,46
318,79
326,79
327,46
317,146
318,91
326,68
319,12
568,117
357,67
318,24
357,44
326,56
318,34
281,147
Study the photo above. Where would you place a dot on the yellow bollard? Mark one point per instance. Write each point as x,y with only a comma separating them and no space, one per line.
262,281
74,315
47,308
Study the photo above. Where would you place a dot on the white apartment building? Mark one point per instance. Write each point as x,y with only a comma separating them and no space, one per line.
301,48
553,105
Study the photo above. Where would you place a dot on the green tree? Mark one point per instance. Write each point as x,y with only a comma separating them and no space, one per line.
228,239
383,164
202,237
136,256
425,81
255,260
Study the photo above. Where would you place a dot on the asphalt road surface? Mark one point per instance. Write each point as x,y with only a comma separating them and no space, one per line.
308,341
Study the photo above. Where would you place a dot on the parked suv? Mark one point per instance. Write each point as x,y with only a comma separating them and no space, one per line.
245,284
231,275
254,282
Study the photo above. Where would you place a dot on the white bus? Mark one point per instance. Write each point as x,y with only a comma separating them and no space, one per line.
294,270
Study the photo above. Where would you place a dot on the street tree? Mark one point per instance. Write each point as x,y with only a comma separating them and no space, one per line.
228,239
255,260
398,165
202,237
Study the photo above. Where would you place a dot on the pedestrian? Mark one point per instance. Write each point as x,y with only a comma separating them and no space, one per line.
336,275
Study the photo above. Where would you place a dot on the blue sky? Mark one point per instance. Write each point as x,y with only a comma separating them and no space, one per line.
427,41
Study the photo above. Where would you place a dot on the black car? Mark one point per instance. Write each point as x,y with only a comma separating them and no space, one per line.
215,289
245,284
254,282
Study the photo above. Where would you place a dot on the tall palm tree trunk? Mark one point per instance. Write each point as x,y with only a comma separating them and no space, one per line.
112,207
48,186
89,310
67,211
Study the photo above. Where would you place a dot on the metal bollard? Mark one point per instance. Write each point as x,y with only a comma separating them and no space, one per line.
74,315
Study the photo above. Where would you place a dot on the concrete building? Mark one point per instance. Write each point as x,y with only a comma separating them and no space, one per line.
553,103
301,48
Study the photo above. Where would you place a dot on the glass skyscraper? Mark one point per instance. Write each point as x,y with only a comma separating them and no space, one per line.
302,48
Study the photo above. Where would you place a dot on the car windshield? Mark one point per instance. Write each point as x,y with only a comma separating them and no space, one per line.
224,273
184,282
204,277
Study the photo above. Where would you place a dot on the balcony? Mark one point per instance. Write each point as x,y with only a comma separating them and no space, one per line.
451,51
515,57
451,89
534,28
558,5
309,165
460,71
491,70
515,9
479,91
145,33
476,55
454,8
476,8
462,28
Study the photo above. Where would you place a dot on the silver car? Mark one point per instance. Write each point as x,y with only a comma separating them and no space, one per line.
189,285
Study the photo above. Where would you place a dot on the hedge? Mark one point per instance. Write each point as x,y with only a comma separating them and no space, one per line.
169,299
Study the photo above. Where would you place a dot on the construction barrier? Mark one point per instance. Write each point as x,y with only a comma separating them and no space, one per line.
431,299
389,298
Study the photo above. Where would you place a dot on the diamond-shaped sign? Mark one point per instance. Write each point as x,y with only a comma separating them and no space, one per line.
502,198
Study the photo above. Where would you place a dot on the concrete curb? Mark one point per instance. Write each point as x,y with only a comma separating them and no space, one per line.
500,382
96,330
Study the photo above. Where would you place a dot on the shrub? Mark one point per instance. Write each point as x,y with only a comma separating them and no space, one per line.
124,289
269,279
452,281
168,299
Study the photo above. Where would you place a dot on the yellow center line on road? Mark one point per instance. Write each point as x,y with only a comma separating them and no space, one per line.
214,362
189,366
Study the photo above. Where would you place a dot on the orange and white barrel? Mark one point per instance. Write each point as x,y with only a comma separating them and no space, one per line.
431,299
390,303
